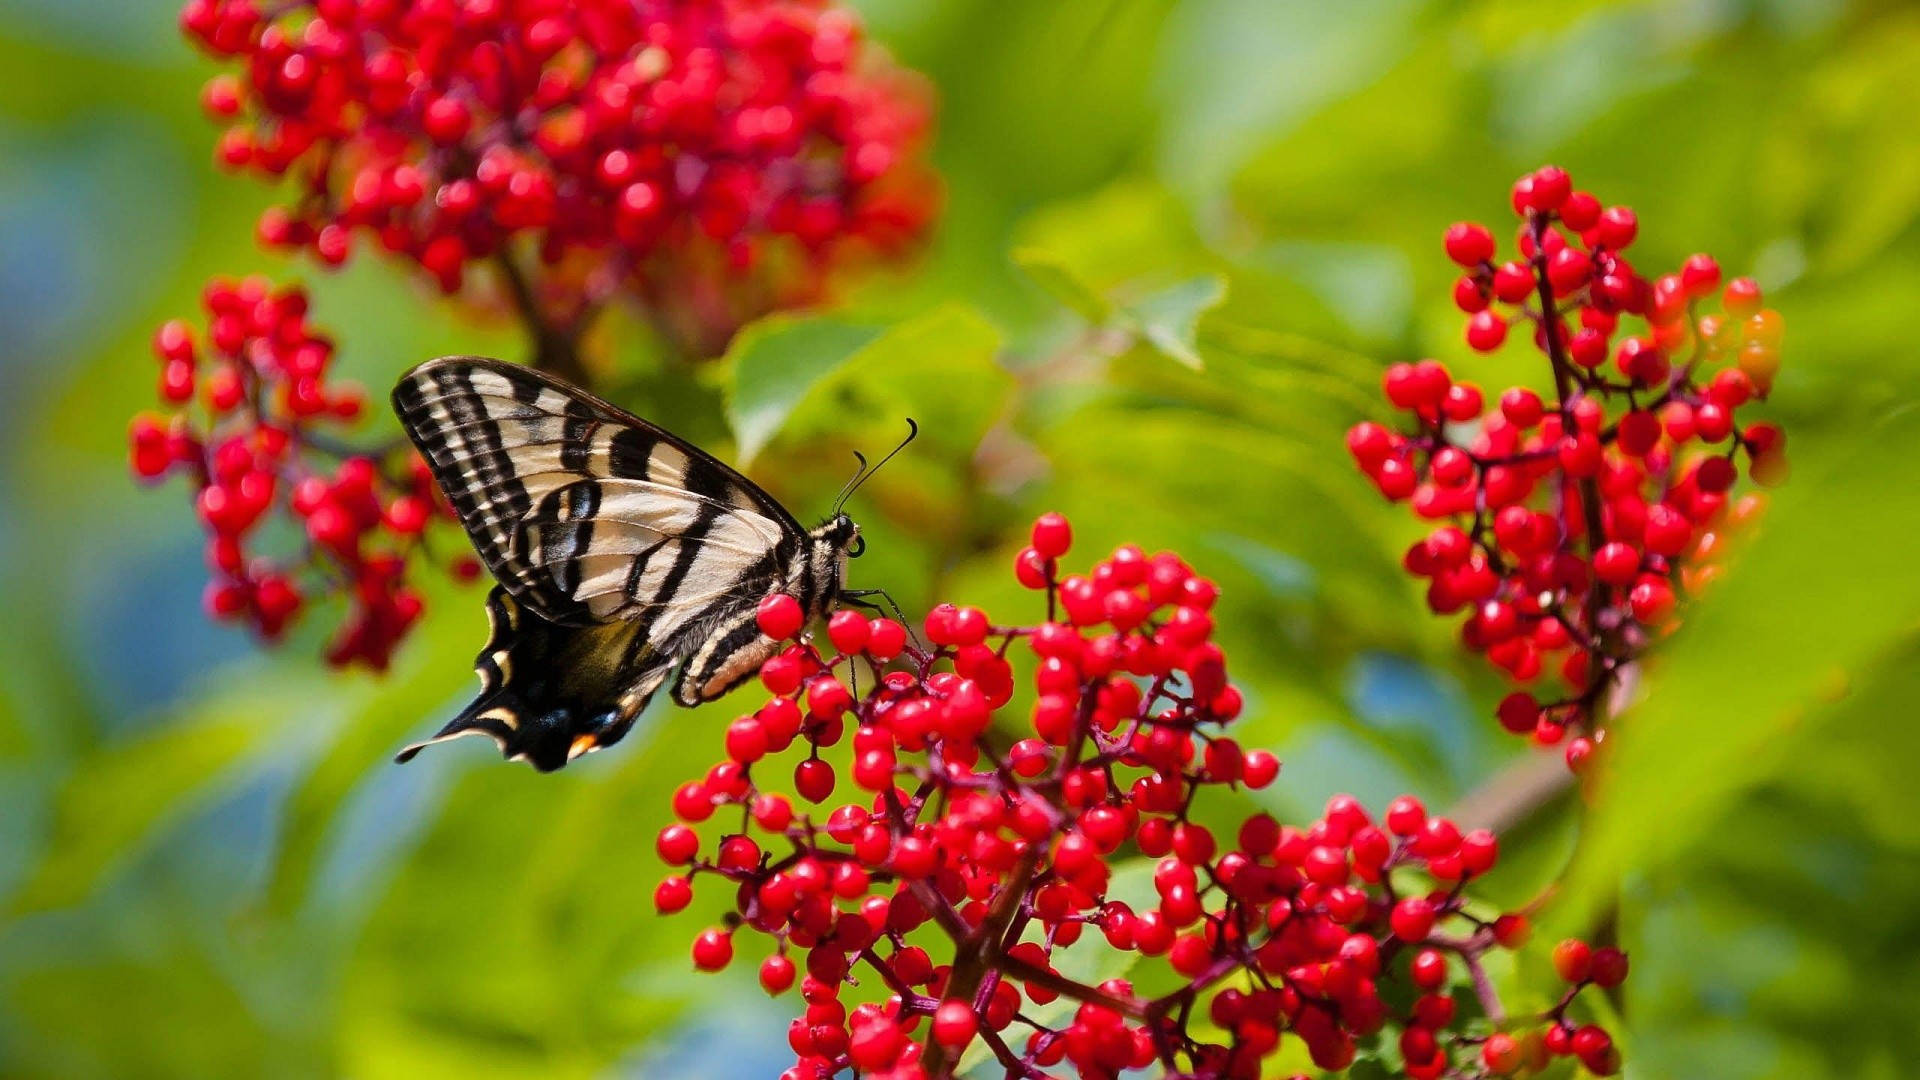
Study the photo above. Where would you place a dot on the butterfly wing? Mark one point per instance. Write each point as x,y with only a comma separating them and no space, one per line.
583,511
619,549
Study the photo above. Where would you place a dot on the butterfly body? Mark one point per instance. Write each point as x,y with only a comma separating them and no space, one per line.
622,553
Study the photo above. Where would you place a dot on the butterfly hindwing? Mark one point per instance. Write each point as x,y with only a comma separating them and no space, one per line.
620,550
550,693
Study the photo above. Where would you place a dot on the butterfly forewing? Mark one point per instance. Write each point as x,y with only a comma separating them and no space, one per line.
591,517
581,510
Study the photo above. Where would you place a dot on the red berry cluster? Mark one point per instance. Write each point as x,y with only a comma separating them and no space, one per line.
974,850
1574,523
256,445
714,158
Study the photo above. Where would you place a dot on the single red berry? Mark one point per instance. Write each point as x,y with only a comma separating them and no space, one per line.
1573,960
713,949
673,894
1486,331
1052,535
1413,919
1700,275
776,974
1617,227
1609,967
780,617
954,1024
1429,969
1501,1053
1518,712
1469,244
1741,298
849,631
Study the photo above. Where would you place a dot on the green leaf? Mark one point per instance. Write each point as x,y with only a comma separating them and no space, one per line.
775,363
1168,319
1709,729
1053,274
940,368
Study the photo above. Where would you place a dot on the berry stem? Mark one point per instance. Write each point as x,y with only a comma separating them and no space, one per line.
977,953
1564,380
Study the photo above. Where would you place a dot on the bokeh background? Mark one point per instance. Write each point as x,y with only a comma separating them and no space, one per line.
209,868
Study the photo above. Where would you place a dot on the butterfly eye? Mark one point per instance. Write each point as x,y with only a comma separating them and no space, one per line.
857,548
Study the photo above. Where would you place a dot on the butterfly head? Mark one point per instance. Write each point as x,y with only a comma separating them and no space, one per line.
839,534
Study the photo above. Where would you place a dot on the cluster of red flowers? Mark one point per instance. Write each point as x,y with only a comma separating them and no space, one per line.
258,444
970,856
714,158
1575,523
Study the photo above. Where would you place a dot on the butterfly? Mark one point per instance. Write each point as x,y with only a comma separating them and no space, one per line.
622,552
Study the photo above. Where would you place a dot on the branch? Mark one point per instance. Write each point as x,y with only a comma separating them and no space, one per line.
1514,794
555,351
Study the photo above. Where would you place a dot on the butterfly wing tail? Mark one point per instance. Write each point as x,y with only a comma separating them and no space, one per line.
550,693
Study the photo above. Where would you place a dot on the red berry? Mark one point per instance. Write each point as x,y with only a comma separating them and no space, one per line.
1413,919
848,630
776,974
1617,227
1741,298
672,895
1700,274
1549,189
1616,563
1052,535
1469,244
1501,1053
713,950
954,1024
1519,712
780,617
1486,331
1429,969
1573,960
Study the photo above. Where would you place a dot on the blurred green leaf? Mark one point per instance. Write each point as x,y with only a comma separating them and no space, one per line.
775,363
1709,729
1052,274
940,368
1170,318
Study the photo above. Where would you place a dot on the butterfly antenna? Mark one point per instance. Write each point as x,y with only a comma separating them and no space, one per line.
913,431
852,482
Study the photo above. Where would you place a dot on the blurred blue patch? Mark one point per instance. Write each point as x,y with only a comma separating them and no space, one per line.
744,1040
1284,576
142,31
382,821
91,216
1409,699
137,632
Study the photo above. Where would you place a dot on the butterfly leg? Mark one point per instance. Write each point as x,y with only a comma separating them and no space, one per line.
859,598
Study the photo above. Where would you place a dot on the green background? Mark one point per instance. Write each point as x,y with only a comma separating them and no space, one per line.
208,868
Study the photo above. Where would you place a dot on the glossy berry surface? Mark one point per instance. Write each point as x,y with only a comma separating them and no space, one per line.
1569,521
250,416
708,160
976,853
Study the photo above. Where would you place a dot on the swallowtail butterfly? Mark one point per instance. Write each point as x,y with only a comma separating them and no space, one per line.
621,552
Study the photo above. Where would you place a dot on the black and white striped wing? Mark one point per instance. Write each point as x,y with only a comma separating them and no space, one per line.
583,511
620,549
